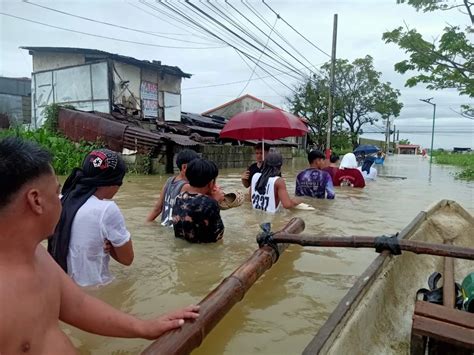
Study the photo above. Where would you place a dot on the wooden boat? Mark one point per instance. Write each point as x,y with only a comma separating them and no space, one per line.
375,316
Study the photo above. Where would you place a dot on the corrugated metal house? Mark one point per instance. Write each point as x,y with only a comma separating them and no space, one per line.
94,80
15,101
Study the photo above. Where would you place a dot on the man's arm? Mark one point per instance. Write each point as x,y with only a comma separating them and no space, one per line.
92,315
330,193
246,178
123,254
155,212
282,193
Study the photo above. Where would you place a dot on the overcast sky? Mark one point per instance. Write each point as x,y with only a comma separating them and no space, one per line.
360,28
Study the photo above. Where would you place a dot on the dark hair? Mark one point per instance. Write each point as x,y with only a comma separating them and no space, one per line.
185,157
271,168
315,154
266,147
20,162
334,158
201,172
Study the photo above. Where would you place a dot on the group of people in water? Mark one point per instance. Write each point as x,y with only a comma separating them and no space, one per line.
85,228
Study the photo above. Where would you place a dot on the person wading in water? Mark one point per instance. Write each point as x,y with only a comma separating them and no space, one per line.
35,293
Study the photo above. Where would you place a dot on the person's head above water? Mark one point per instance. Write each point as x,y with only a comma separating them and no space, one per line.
334,158
348,161
316,159
201,173
29,188
184,157
259,151
101,168
367,164
271,168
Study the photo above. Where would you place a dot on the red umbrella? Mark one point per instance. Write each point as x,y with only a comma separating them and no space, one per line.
264,124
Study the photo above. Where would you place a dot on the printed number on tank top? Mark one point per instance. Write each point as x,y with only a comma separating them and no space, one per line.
260,202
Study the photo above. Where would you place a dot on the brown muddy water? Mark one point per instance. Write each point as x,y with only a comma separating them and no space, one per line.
289,303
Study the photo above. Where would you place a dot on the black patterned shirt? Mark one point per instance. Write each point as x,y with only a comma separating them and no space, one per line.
196,218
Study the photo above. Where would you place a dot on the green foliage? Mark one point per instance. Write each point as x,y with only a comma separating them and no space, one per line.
465,161
359,98
403,141
66,154
51,112
445,63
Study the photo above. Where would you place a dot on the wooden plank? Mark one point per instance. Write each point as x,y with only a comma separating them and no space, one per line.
441,313
449,294
446,332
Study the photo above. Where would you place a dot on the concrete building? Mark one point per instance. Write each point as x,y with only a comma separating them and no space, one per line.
94,80
241,104
249,103
15,101
412,149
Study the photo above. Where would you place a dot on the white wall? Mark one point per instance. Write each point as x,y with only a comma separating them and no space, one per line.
51,60
127,94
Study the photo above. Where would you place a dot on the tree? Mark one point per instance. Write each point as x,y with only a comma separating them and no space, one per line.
359,99
444,63
404,141
360,96
311,101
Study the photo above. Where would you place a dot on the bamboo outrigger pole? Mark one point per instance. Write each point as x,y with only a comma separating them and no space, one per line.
220,301
413,246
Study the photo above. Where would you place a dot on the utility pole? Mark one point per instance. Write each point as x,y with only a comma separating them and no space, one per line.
428,101
394,130
331,85
398,135
387,136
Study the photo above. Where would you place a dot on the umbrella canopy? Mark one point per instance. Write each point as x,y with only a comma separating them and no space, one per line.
366,148
263,124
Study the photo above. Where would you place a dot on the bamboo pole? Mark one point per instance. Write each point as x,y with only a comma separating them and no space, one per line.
413,246
220,301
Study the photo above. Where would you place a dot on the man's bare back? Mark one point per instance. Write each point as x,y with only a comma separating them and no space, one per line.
30,298
35,293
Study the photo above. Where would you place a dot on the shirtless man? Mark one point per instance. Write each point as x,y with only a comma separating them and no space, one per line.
35,293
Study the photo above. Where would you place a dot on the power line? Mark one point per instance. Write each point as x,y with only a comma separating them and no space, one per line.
276,32
100,36
110,24
164,19
185,16
294,29
261,18
255,67
234,33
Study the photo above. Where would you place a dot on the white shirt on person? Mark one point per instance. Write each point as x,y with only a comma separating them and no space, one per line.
95,222
372,175
265,202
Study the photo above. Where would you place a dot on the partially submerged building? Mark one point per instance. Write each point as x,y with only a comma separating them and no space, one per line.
94,80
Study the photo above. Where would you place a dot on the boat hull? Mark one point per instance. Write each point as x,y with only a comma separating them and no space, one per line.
375,316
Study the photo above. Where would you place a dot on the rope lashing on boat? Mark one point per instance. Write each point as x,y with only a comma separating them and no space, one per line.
266,238
389,243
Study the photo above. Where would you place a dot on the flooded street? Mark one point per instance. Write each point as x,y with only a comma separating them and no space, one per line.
283,311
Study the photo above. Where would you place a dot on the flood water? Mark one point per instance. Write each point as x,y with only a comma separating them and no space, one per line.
285,308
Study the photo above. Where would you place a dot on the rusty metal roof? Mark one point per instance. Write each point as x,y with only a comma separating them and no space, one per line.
98,54
116,135
179,139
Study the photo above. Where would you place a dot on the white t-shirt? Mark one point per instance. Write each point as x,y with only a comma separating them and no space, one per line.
96,221
372,175
265,202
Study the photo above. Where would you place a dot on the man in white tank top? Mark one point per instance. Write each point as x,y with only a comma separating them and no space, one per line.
268,190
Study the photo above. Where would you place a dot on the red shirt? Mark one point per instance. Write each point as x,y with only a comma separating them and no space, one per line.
349,177
331,170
